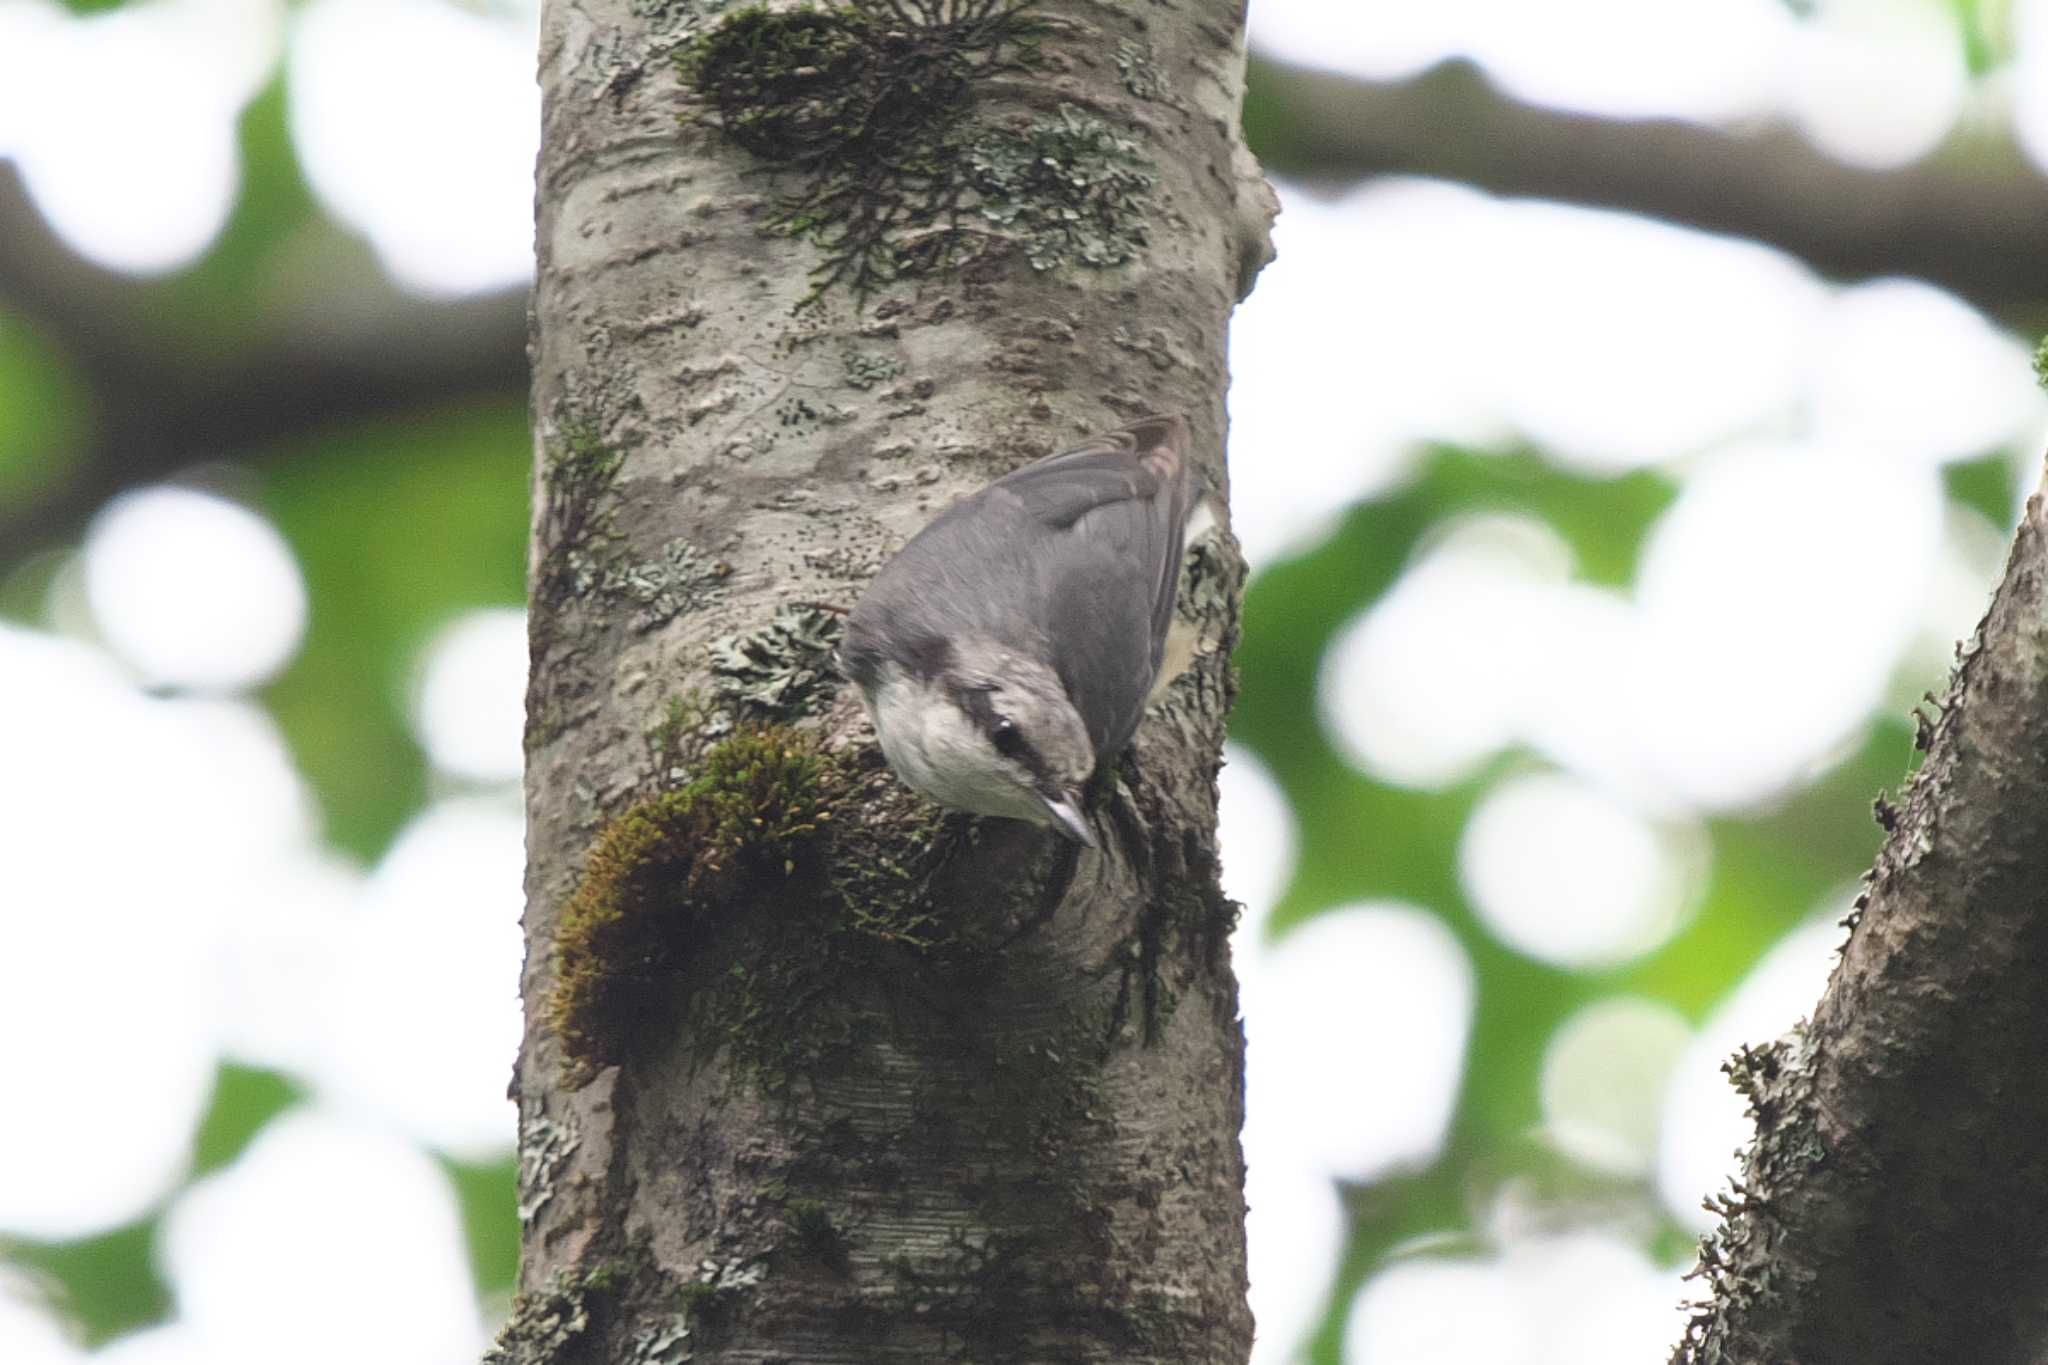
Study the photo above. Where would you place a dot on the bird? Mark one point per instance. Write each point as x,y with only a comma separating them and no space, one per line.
1010,648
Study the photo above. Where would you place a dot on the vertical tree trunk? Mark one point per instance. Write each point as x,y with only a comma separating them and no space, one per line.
810,1073
1891,1206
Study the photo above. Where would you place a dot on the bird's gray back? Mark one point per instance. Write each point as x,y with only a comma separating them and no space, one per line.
1073,559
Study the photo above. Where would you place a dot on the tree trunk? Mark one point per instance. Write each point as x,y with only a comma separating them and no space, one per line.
812,1073
1891,1206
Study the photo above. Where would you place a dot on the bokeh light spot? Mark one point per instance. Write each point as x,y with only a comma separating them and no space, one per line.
192,590
471,709
437,168
1777,593
1255,829
1331,999
317,1219
121,832
1587,1298
1560,870
1603,1081
428,985
1417,689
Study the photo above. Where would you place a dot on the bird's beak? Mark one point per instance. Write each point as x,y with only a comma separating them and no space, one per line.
1068,820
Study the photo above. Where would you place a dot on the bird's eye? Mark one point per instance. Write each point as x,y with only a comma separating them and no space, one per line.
1006,737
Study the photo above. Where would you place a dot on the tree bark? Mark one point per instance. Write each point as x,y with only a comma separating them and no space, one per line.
810,1072
1891,1206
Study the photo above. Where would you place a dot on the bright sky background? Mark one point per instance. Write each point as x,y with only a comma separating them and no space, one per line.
1808,423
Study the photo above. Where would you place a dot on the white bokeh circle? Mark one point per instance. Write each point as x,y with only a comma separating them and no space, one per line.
1417,690
425,1007
129,821
317,1218
1566,873
470,708
418,123
1603,1078
1584,1298
192,590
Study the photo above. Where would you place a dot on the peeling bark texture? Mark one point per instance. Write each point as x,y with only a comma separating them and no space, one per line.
887,1085
1891,1206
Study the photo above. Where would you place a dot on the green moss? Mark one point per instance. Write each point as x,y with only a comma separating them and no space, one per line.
664,877
677,737
872,106
2041,363
812,873
814,1233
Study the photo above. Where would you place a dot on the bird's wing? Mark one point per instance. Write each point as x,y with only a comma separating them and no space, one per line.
1114,513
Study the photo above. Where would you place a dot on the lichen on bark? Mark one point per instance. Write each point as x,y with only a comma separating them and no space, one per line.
872,107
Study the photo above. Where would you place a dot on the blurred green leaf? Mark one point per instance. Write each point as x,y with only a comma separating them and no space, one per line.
43,416
108,1284
244,1099
490,1197
397,528
1985,27
1986,486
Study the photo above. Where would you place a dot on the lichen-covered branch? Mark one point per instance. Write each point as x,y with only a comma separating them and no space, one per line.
1891,1208
814,1071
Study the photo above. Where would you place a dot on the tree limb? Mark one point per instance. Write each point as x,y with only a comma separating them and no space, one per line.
1972,218
326,341
1890,1208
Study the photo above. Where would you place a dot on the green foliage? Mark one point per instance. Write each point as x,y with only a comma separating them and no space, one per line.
1769,868
244,1099
42,412
1985,486
396,528
107,1284
488,1193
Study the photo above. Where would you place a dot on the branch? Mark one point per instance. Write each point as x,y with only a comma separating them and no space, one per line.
1892,1205
328,341
1973,218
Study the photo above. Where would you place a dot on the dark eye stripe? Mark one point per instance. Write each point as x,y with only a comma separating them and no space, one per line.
1008,740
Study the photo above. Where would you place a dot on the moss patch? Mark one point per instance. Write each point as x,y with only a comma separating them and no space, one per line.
872,106
751,854
665,874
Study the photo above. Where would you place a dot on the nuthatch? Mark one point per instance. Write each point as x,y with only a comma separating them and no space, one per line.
1012,646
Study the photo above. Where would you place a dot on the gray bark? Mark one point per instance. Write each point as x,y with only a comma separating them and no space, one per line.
1891,1206
916,1091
